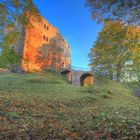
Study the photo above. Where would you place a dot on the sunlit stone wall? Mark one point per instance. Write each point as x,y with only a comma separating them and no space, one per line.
39,35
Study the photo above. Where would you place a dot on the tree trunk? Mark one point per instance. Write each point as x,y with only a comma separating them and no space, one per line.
118,77
138,73
118,72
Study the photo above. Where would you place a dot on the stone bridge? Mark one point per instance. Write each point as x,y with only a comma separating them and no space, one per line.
78,76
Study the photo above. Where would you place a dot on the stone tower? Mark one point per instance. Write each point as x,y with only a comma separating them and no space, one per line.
44,47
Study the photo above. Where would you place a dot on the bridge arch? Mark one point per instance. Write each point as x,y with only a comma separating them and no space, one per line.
65,71
78,77
86,79
68,74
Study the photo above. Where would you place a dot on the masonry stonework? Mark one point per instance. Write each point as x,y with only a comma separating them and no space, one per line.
45,48
42,34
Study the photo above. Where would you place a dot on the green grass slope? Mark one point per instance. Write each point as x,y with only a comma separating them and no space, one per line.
43,106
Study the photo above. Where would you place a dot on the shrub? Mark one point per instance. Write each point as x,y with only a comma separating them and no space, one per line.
105,95
10,59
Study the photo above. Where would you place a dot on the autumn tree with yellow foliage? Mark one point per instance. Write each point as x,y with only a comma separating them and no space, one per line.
117,45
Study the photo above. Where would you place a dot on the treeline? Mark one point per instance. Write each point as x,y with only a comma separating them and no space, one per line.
116,52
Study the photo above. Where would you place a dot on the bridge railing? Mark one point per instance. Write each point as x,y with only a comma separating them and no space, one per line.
77,68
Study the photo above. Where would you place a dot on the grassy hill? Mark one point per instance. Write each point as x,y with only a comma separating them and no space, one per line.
43,106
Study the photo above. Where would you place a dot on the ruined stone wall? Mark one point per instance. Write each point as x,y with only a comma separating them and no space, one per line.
38,36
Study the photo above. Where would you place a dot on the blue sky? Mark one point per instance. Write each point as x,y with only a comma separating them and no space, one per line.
74,22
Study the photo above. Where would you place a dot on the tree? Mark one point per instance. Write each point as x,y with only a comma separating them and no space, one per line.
14,16
113,49
9,58
15,12
51,54
136,61
127,11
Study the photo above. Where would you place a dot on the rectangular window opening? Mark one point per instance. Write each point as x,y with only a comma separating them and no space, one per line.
47,39
45,26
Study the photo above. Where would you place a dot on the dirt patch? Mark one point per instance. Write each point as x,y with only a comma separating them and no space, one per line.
4,71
